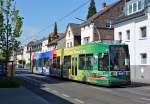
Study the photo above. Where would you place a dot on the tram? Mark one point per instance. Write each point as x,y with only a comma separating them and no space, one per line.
41,62
96,63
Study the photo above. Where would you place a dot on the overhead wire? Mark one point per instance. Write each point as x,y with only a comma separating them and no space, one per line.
59,20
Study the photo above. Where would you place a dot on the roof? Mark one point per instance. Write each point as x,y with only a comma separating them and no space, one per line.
61,36
101,12
76,29
129,17
52,33
37,42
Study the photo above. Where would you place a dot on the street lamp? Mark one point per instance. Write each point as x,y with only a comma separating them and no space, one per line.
31,60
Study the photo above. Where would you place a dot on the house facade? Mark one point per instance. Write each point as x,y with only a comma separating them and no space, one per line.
44,45
133,28
61,42
73,35
99,26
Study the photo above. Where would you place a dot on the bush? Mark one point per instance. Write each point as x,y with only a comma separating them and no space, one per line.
9,83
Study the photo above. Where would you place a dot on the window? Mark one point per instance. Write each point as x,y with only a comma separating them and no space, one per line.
103,61
70,44
120,36
143,58
139,5
134,7
82,62
67,62
128,34
56,62
130,8
143,32
46,62
107,23
86,62
69,33
67,45
89,61
119,58
86,40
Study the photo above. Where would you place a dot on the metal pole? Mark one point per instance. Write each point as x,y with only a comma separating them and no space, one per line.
31,62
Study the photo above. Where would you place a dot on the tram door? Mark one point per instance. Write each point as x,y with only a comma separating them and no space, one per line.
74,65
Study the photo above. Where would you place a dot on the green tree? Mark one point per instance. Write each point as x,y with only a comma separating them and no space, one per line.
55,34
10,27
91,9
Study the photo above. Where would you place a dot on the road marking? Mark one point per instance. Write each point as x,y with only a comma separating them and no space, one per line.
65,95
48,89
134,92
78,100
146,88
138,101
54,91
103,89
146,99
95,88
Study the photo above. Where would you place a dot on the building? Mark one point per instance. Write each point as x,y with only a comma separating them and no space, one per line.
20,57
35,46
56,43
26,57
44,44
99,26
133,28
61,42
73,35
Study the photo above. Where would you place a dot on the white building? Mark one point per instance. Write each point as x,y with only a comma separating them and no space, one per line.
73,35
133,28
44,45
26,56
87,33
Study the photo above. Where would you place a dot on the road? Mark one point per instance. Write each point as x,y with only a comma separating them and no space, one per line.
78,93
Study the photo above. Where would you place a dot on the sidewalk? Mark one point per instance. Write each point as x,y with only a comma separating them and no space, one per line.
19,96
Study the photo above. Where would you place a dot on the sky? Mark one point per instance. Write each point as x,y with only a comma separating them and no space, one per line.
40,15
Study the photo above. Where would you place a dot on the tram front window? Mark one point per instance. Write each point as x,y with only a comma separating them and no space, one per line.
119,58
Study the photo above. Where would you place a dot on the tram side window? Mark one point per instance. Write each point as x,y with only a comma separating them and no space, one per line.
54,62
46,62
86,62
82,62
89,61
67,62
58,63
103,62
39,63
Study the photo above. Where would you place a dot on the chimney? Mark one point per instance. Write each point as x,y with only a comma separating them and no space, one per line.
104,4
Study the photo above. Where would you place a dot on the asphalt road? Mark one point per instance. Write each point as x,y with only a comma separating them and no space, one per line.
59,91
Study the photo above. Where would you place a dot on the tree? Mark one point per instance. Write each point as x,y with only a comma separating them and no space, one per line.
10,27
55,34
49,38
92,9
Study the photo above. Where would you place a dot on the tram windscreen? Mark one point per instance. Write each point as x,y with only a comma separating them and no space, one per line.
119,58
